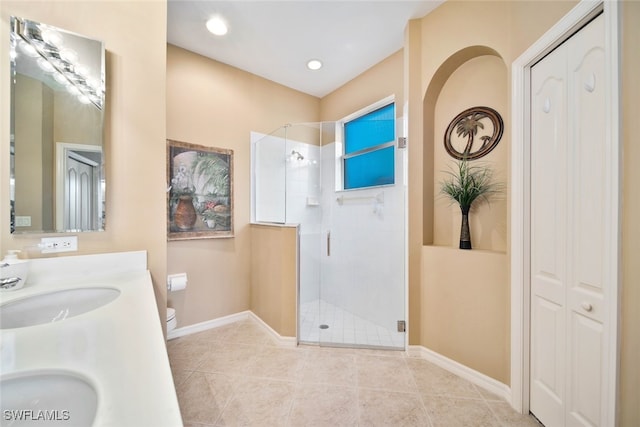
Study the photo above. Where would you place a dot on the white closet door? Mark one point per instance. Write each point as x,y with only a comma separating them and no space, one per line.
548,237
585,297
567,231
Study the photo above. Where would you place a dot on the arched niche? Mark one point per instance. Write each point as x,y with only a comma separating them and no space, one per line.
473,76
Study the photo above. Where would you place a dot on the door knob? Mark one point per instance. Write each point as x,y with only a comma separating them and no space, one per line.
586,306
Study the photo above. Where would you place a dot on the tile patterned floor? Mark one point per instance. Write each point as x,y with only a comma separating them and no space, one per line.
236,375
344,327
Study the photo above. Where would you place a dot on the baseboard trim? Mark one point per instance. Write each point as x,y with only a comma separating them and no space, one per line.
232,318
209,324
283,341
481,380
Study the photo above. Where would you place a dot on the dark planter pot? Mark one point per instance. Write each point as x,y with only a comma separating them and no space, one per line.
465,234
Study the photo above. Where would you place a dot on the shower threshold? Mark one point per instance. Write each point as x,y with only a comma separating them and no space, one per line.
329,325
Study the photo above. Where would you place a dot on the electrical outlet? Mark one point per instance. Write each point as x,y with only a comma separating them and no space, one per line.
23,221
50,245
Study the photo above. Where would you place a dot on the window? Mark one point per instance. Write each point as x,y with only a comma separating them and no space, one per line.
369,149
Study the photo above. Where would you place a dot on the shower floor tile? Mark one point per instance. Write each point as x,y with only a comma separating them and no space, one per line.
344,328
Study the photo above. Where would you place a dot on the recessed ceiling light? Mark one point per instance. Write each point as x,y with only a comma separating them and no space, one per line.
314,64
217,26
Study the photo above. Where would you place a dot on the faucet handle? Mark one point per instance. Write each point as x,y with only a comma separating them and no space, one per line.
9,282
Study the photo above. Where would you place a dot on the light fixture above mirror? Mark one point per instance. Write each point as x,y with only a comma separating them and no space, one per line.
59,59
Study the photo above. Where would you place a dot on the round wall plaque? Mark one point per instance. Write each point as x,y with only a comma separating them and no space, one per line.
477,131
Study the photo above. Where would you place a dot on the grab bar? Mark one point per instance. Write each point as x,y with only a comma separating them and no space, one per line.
328,243
378,198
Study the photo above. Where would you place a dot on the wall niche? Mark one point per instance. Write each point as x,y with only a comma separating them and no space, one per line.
475,76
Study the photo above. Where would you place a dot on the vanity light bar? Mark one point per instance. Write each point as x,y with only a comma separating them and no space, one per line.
32,34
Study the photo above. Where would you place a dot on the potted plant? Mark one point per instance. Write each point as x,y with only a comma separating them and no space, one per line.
467,185
216,213
209,214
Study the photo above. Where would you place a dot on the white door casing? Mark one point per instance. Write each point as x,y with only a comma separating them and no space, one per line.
606,239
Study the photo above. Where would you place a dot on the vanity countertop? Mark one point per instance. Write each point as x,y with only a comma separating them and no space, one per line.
118,348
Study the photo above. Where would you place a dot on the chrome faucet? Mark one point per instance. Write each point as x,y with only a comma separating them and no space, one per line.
8,282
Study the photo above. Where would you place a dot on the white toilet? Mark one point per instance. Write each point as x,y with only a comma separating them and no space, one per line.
171,319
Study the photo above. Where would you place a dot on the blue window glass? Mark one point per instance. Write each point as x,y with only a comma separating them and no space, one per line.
374,128
370,169
369,154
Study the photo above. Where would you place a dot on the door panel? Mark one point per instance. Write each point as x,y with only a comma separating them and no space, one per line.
79,195
587,98
550,347
586,55
568,231
586,343
548,241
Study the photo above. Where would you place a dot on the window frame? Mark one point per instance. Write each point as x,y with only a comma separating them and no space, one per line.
341,157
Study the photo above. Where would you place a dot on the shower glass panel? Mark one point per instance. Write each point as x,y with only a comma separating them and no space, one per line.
352,243
269,177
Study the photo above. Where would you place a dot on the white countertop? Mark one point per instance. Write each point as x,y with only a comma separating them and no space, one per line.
119,348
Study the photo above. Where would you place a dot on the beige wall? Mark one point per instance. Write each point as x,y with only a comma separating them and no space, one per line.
274,261
630,334
457,321
28,152
477,82
213,104
135,123
381,80
453,323
471,68
75,122
508,29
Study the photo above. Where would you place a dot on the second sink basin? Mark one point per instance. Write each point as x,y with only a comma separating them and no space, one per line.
47,398
54,306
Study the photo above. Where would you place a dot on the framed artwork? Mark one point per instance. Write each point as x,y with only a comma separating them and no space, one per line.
199,191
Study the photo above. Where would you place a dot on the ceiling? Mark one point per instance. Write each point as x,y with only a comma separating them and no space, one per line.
276,39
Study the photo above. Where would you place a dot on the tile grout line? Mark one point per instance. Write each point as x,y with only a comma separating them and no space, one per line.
419,393
358,406
493,414
306,364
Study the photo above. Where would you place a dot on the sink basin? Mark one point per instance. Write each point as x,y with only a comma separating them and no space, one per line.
47,398
54,306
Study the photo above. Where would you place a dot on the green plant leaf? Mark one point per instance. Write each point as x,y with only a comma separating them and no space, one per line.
467,183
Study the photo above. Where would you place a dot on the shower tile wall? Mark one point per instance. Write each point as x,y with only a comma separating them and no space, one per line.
303,186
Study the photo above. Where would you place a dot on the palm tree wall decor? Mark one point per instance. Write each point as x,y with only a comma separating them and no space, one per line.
469,124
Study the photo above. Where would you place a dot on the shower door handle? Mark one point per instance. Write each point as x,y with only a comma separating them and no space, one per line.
328,243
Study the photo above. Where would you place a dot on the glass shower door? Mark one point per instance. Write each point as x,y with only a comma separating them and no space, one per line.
362,257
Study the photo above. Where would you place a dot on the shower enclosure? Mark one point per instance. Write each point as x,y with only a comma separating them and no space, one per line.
352,286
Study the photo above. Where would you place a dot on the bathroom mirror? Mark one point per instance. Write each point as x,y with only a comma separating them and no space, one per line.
57,113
